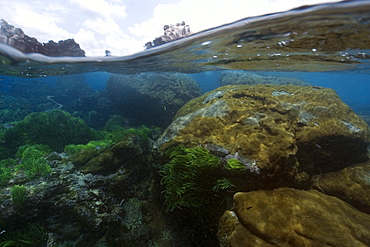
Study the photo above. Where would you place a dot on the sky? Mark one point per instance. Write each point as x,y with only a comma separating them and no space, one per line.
123,27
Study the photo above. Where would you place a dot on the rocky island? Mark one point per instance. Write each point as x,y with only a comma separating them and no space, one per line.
171,33
16,38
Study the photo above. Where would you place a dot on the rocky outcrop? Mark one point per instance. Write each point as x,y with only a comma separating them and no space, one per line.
289,217
352,184
245,78
151,98
282,134
171,32
16,38
116,206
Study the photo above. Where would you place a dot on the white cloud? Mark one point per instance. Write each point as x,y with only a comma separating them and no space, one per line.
86,39
39,23
103,7
102,26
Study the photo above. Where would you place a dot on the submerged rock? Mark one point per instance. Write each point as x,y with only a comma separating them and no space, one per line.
127,152
245,78
352,184
16,38
151,98
288,132
289,217
121,208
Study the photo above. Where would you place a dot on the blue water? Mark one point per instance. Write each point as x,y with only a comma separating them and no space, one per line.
352,88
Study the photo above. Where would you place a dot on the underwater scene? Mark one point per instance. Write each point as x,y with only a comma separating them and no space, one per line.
255,133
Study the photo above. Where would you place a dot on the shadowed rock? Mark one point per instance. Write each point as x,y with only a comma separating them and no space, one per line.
289,217
352,184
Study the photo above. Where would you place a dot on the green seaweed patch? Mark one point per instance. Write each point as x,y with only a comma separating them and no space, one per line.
194,177
32,234
19,195
185,177
6,170
55,129
91,145
118,133
223,184
235,165
34,151
33,162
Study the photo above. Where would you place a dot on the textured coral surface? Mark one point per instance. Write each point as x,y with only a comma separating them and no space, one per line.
289,217
288,130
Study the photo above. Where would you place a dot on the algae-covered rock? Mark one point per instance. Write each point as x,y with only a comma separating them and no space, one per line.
54,128
245,78
286,131
151,98
111,159
289,217
352,184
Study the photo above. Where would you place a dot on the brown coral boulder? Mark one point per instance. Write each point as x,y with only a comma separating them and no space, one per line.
289,217
352,184
286,131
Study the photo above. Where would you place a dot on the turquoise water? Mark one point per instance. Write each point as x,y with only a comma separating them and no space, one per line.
326,46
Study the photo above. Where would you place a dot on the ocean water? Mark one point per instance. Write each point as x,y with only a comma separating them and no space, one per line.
325,45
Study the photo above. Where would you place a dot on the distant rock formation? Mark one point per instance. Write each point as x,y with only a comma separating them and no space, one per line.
151,99
246,78
171,32
16,38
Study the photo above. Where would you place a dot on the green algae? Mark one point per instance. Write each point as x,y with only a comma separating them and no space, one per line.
19,195
55,129
33,162
6,170
234,164
32,234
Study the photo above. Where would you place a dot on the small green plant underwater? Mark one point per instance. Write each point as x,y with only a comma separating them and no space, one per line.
30,235
193,176
33,162
6,170
30,161
111,135
19,195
